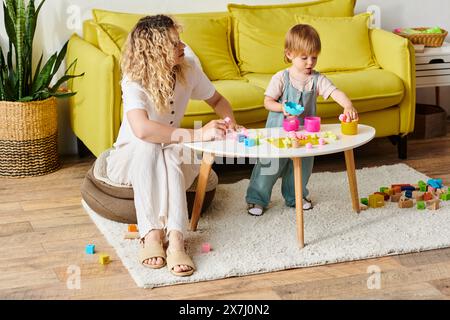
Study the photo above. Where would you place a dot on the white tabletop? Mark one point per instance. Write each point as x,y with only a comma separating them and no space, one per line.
233,148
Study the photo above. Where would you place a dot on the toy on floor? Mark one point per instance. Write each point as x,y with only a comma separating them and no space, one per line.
425,195
104,259
90,249
206,247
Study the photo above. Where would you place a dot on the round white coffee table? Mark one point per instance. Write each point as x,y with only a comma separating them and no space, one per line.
266,149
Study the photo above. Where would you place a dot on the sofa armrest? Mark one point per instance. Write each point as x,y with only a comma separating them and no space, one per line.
93,117
396,54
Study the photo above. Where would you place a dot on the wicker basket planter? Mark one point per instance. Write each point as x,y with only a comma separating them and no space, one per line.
28,138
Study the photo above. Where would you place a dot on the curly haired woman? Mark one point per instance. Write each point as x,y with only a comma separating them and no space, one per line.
157,83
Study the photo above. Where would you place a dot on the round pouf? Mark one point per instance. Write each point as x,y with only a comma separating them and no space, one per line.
116,202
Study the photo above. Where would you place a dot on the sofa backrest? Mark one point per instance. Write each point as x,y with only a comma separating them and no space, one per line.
247,39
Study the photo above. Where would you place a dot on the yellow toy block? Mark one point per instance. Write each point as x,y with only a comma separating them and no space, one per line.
103,258
376,201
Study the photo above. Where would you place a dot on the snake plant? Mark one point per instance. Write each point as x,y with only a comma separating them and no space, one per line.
18,82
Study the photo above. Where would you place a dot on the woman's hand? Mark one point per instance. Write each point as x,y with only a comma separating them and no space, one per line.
351,113
213,130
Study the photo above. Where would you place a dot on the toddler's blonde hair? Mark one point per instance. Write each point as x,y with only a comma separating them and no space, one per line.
301,39
148,58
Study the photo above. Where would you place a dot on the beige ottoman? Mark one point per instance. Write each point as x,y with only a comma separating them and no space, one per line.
116,202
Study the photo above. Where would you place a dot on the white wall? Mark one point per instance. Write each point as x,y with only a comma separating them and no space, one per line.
60,18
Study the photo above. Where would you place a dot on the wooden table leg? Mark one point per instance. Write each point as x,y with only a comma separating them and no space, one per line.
299,200
205,169
351,174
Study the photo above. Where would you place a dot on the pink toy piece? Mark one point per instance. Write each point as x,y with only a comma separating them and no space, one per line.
292,134
291,124
308,145
206,247
321,141
312,124
342,117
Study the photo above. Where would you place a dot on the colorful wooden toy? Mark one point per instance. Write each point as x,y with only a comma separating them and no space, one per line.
433,204
427,196
249,142
396,197
103,259
385,196
132,228
422,186
206,247
365,201
445,196
435,183
90,249
418,195
376,201
405,203
420,205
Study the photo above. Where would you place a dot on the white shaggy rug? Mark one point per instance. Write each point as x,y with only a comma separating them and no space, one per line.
243,244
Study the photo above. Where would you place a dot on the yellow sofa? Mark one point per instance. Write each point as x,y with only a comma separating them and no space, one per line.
240,50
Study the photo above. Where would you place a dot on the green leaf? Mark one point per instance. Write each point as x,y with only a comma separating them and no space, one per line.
64,79
11,5
63,95
9,25
20,34
36,73
44,78
60,58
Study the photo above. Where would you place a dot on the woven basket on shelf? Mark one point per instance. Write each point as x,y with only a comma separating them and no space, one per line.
427,39
28,138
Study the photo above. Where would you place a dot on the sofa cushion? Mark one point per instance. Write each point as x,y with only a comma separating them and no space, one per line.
259,31
345,42
370,90
208,36
246,99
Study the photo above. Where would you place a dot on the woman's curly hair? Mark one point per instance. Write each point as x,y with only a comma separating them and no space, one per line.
148,58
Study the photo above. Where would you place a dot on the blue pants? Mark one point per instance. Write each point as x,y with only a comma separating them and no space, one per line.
265,175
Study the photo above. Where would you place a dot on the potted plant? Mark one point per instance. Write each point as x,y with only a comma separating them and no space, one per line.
28,113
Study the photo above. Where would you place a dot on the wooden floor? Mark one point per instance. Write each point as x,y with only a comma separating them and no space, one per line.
43,232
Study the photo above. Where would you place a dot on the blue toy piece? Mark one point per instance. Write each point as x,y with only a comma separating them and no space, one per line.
242,137
293,108
249,142
408,193
408,188
435,183
90,249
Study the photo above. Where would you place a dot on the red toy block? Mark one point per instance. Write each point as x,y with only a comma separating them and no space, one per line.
427,196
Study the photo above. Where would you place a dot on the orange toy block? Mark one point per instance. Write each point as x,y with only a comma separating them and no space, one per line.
132,228
376,200
405,203
397,189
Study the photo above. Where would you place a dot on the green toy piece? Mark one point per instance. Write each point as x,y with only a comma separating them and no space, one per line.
420,205
384,189
365,201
